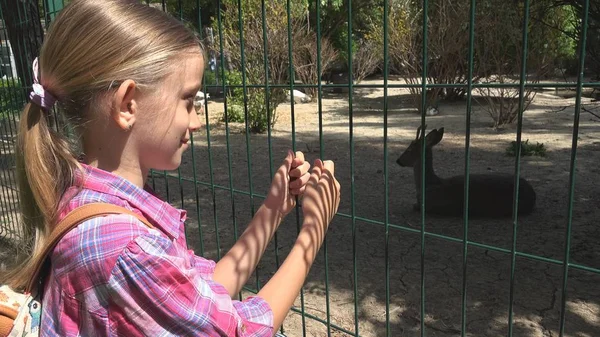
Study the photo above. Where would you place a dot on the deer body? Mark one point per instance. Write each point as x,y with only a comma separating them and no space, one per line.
490,195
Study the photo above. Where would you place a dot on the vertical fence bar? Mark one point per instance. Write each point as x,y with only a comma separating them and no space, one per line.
229,164
322,155
291,89
423,109
245,91
152,178
352,187
208,141
180,9
465,252
211,178
522,80
181,196
580,70
195,175
386,198
269,127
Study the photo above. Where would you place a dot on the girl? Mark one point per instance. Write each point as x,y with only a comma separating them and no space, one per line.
126,75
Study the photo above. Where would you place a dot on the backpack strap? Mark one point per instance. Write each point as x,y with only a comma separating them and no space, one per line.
72,220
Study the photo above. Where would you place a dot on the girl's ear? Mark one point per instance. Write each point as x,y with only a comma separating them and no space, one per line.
124,105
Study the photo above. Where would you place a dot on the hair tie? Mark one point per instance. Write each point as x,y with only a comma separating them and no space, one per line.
39,95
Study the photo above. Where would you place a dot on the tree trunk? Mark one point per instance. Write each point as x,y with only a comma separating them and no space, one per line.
25,34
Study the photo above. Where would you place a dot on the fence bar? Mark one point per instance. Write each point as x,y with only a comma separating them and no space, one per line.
465,252
180,9
522,80
246,121
423,110
269,127
322,155
195,176
580,70
386,198
352,186
293,120
233,216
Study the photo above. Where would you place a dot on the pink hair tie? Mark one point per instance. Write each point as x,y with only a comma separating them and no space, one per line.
39,95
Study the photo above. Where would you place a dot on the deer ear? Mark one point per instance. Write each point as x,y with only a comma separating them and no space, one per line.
434,137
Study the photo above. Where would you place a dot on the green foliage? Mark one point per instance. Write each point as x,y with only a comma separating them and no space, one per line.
526,149
255,104
258,121
187,11
11,98
235,96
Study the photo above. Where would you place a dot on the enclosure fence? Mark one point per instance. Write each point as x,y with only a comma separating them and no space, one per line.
14,96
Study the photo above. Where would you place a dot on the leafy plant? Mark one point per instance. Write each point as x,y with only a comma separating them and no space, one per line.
526,149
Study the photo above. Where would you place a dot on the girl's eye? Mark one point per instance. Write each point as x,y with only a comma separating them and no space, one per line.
190,103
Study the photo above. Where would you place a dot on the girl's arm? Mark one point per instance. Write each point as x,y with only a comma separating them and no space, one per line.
320,203
234,269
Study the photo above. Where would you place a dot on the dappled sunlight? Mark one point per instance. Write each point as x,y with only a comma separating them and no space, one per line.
588,312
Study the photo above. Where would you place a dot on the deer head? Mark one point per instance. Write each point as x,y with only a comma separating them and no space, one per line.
410,156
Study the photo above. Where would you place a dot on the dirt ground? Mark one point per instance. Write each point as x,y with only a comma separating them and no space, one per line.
356,259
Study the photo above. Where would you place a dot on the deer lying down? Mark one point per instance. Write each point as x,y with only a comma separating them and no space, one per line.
490,195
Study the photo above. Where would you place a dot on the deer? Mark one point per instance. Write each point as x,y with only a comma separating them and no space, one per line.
490,195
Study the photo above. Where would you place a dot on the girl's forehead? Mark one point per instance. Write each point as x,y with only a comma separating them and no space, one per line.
187,72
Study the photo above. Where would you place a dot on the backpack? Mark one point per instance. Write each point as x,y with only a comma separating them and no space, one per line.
20,312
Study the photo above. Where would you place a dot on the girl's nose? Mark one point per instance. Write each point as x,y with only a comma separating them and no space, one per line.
195,123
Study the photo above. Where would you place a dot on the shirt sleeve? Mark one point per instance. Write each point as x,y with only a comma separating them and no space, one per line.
159,288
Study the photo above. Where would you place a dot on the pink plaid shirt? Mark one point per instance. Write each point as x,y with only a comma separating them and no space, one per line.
113,276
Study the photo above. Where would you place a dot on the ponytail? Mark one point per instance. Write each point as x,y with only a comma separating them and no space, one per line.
45,169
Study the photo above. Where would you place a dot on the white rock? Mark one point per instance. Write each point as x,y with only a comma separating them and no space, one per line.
299,97
431,111
199,98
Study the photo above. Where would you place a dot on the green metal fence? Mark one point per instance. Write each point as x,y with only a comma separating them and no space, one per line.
220,201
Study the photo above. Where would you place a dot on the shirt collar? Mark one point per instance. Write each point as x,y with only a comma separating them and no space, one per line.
160,213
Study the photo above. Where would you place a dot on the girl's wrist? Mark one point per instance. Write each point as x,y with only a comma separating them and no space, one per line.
271,214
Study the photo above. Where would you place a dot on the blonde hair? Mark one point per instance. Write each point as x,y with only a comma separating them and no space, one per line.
90,49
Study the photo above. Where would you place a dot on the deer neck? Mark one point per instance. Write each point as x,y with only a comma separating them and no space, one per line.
430,177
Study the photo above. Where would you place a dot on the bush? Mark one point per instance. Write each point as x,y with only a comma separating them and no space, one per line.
258,119
255,105
526,149
11,99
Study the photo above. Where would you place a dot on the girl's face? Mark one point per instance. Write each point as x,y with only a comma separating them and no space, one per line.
169,119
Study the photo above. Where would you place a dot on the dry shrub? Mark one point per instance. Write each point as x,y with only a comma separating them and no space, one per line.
253,60
447,47
499,53
304,54
366,59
